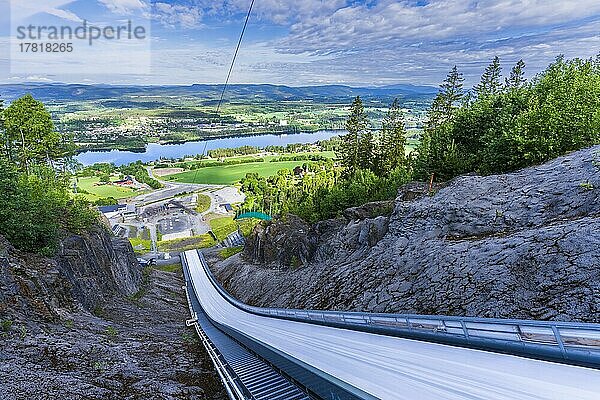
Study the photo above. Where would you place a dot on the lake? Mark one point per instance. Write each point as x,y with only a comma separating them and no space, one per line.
157,151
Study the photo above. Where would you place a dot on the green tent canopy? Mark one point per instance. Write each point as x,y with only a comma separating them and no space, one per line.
254,214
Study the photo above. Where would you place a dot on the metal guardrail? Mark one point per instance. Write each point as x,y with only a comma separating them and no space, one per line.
314,382
233,391
563,342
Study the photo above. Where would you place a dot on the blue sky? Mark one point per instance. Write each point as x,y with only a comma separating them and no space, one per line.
308,42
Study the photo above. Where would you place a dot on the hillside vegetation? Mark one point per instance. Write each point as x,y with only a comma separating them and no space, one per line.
34,165
500,125
503,126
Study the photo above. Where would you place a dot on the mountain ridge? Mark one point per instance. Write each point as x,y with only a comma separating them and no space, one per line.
53,92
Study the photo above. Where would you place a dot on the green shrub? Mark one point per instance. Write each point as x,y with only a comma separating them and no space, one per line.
111,332
105,201
5,325
37,207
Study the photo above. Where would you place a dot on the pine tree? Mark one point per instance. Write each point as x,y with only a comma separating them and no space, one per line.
452,91
490,80
447,101
442,110
517,76
391,154
356,125
366,150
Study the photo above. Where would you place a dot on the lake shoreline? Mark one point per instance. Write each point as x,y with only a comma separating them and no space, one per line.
138,149
172,150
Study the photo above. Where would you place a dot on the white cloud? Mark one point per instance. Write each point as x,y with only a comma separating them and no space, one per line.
398,41
368,42
388,23
21,10
124,7
275,11
30,78
177,15
65,14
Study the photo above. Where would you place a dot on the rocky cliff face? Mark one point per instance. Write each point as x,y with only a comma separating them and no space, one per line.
87,271
520,245
291,242
98,267
90,324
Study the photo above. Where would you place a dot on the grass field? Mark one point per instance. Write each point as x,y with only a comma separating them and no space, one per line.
203,203
222,226
191,243
230,174
141,246
230,251
96,192
170,268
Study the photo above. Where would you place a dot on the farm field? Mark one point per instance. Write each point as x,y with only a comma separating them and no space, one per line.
230,174
88,188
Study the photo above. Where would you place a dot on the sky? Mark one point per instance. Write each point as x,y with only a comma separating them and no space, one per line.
301,42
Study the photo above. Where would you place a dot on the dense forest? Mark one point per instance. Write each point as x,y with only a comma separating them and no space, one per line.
370,167
500,125
34,164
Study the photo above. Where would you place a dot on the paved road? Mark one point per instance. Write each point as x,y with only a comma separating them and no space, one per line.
218,193
394,368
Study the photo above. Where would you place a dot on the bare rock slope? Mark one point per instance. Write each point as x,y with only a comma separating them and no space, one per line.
90,324
520,245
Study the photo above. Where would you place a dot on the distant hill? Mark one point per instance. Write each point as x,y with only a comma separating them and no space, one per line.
57,92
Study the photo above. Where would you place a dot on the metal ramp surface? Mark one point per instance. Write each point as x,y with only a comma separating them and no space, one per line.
245,375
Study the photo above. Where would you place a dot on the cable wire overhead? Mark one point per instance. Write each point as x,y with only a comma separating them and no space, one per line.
237,49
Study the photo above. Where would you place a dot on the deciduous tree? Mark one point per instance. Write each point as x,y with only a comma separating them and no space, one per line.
31,136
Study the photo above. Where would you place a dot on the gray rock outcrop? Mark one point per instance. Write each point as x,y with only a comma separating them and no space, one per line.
520,245
90,324
98,267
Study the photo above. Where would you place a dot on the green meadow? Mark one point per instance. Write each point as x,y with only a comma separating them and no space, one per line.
89,188
230,174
